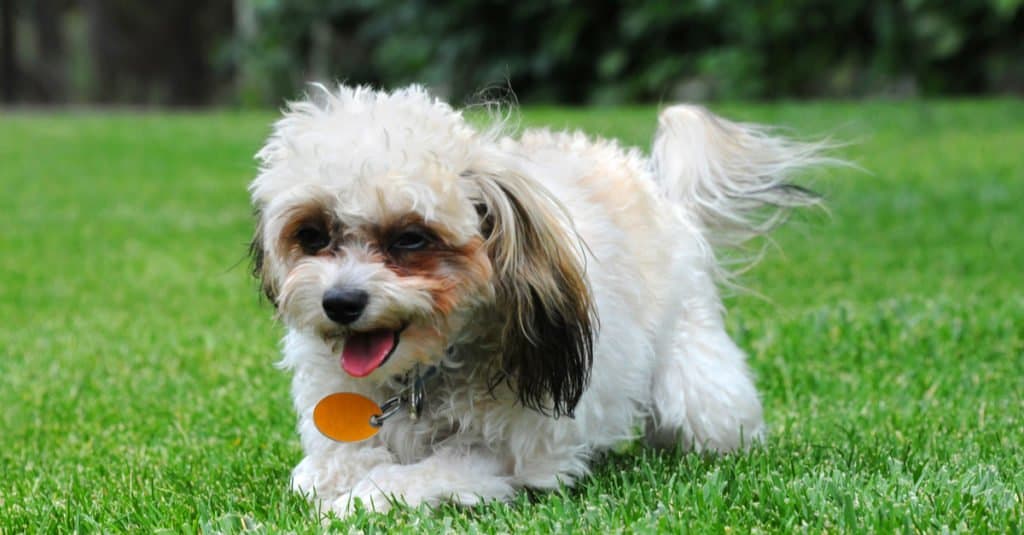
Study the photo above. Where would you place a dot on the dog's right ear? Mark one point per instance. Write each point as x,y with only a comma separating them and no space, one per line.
257,257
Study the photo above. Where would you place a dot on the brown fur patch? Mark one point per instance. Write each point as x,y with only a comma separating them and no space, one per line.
384,232
446,272
311,214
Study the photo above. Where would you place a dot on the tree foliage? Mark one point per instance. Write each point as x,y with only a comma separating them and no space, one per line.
633,50
258,52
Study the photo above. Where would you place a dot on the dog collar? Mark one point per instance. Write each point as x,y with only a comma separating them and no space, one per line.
412,395
351,417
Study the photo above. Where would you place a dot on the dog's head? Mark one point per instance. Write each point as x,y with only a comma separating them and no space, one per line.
390,230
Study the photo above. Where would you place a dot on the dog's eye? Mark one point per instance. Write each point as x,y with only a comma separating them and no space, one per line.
312,239
410,240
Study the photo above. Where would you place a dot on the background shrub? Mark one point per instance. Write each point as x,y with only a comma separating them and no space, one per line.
261,51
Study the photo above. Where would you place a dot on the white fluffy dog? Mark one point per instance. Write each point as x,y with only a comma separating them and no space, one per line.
548,295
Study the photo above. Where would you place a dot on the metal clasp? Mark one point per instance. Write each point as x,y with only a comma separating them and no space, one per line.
413,394
388,409
416,396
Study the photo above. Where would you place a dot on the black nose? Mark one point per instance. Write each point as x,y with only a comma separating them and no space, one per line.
345,305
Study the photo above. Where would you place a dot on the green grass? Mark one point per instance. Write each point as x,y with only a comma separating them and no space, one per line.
137,387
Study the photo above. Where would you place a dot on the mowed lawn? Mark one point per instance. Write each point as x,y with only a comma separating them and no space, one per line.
137,382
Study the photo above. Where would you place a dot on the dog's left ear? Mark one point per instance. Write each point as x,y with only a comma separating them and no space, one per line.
538,258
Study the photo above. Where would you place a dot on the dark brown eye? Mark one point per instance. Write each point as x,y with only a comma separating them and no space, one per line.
312,239
411,240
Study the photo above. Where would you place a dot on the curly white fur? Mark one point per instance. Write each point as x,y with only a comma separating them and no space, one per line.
635,232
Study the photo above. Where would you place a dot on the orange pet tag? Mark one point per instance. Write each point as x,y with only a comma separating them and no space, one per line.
346,417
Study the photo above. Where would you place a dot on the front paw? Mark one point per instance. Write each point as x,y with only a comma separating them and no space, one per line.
364,496
304,478
322,478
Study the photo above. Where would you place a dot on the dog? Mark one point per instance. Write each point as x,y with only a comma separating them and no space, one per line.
518,303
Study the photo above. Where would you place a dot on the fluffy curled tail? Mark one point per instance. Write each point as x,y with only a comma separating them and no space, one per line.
734,178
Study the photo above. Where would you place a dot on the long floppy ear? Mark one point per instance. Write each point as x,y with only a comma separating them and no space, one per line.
257,256
550,322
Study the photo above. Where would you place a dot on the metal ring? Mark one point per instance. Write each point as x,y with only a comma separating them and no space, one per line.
388,409
416,399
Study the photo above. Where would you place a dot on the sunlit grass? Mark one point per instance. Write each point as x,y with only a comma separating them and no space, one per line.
137,390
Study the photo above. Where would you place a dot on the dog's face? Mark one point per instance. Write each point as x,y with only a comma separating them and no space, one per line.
390,230
364,269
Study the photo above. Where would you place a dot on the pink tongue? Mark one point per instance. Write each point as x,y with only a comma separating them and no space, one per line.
365,352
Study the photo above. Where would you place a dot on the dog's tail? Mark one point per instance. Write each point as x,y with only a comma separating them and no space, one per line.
734,178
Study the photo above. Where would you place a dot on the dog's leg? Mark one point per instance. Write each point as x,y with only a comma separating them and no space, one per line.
703,394
335,469
461,476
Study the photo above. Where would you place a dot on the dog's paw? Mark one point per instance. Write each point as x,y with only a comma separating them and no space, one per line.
383,488
367,499
304,477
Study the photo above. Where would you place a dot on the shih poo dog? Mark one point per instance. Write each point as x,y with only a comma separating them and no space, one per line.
498,309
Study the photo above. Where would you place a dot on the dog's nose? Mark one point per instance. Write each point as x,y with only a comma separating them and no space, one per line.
345,305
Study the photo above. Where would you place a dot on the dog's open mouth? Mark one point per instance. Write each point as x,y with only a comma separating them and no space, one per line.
367,351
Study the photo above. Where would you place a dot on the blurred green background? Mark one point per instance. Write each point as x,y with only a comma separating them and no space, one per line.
260,52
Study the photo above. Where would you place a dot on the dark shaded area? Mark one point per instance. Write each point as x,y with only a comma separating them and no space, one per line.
195,52
160,52
117,52
8,68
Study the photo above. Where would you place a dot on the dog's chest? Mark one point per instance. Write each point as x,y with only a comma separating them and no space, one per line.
455,412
